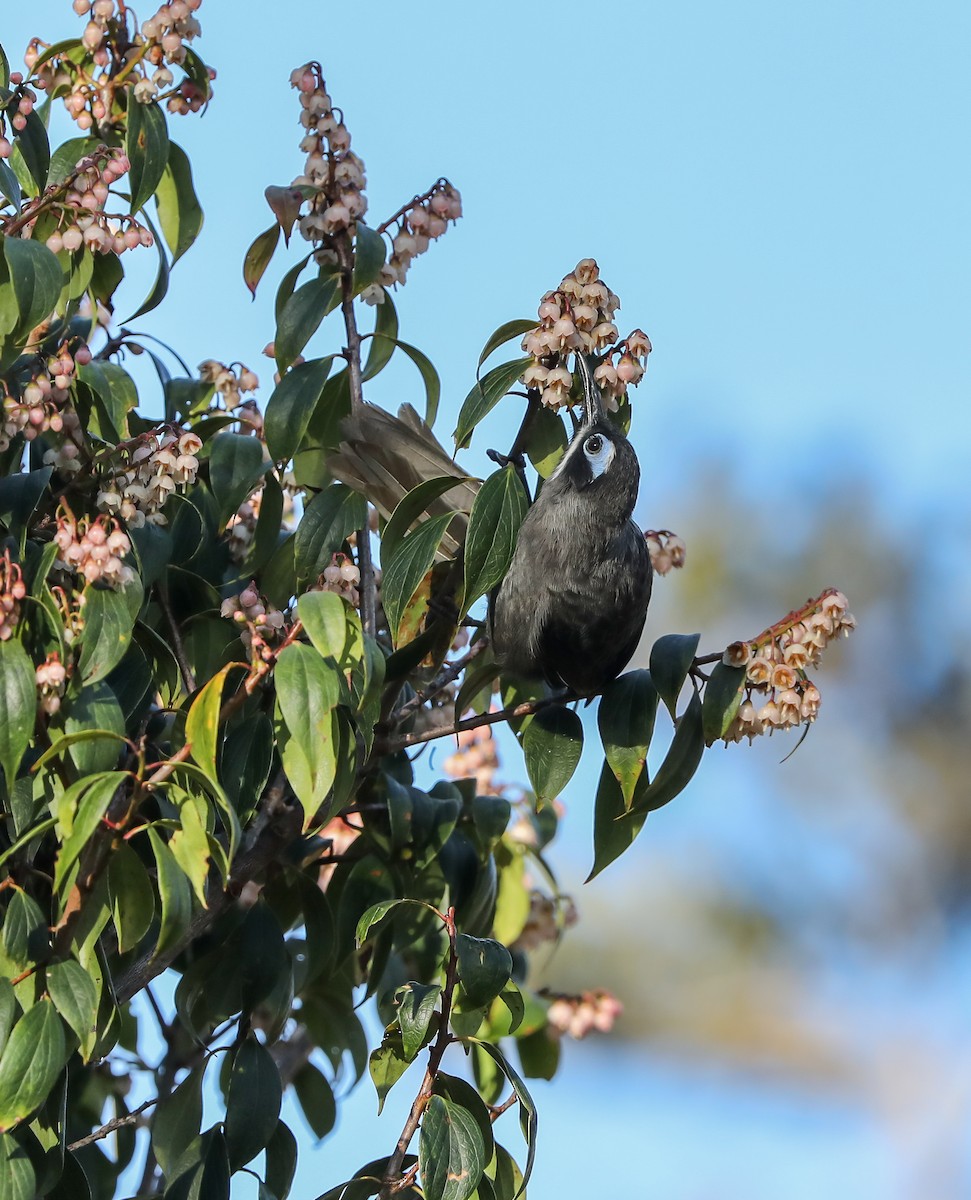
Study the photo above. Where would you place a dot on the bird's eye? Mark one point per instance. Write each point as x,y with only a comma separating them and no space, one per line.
594,444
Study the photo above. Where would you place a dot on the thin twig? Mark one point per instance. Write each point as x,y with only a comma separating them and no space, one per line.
526,709
115,1123
439,684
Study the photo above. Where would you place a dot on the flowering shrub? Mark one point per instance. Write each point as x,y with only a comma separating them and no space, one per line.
209,691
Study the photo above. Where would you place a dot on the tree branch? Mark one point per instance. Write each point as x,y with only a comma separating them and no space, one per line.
526,709
110,1127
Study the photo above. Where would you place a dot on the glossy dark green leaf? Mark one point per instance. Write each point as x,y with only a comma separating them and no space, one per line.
301,316
626,716
258,257
484,967
79,814
253,1102
415,1008
614,829
680,762
292,404
235,469
451,1152
8,1010
18,706
485,395
67,156
382,347
409,508
552,744
147,145
528,1118
671,658
407,567
109,619
76,998
177,1120
723,696
36,279
203,1173
179,211
327,521
316,1098
370,251
31,1061
505,333
10,187
131,895
175,893
115,395
308,690
377,912
464,1095
433,385
497,513
26,937
281,1161
96,708
32,151
19,496
387,1063
18,1180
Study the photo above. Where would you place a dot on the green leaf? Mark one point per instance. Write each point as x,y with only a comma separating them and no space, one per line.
33,150
115,395
723,696
32,1060
680,762
10,187
292,404
382,347
316,1099
546,440
671,657
497,513
131,895
614,829
433,385
96,710
462,1094
26,938
202,1173
324,618
253,1102
4,69
18,1180
79,814
539,1054
281,1161
410,507
258,257
308,690
18,706
552,744
8,1010
19,496
327,521
485,395
370,251
485,967
236,467
191,846
147,146
175,892
387,1063
36,278
202,722
415,1009
67,156
177,1120
179,211
377,912
301,316
76,998
505,333
109,619
408,565
626,719
528,1119
451,1152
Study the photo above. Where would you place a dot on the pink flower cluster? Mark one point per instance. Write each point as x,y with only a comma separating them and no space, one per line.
229,382
579,317
425,220
16,114
12,592
775,667
341,576
51,678
82,221
144,472
261,626
42,403
548,918
94,549
578,1015
666,549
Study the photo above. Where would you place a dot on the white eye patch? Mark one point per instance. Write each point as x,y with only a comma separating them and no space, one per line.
599,453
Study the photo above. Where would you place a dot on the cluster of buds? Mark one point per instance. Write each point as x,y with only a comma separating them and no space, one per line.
775,667
51,677
230,382
154,466
82,220
332,172
17,110
12,591
41,403
476,757
548,918
139,58
424,220
341,576
579,317
241,527
577,1015
666,549
94,549
261,626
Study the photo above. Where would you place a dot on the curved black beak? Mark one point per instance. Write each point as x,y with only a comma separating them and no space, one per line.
593,405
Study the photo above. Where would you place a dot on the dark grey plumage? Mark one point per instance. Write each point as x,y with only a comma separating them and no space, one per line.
574,600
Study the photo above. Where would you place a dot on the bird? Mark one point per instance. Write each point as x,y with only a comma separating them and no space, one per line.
573,603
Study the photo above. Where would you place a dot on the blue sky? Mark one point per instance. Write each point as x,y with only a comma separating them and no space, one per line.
779,195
